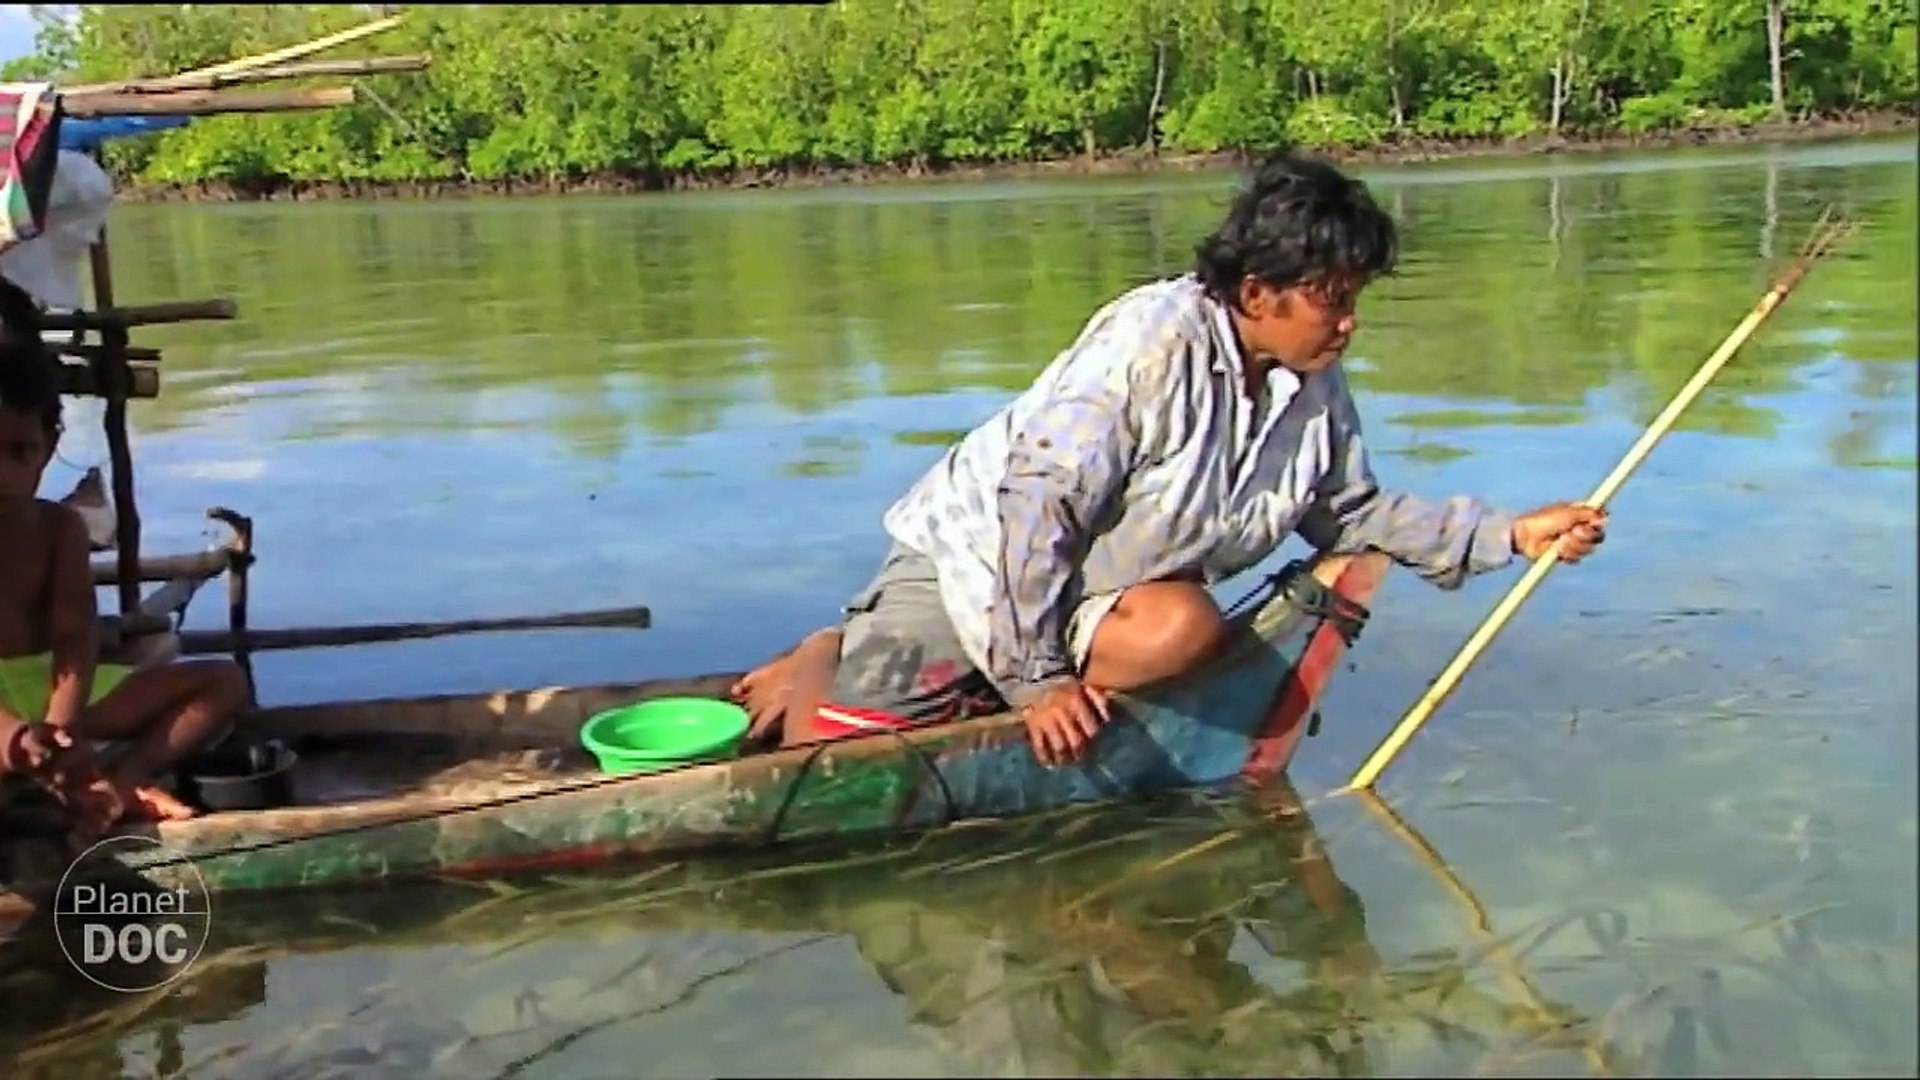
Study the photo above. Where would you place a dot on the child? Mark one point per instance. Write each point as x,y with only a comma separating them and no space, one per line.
56,700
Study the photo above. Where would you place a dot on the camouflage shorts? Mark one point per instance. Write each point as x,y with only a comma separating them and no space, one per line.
901,662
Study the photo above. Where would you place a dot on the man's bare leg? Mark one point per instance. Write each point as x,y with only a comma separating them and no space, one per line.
172,710
1157,630
1161,630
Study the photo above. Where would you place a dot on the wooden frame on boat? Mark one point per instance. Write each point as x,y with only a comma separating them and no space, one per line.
98,359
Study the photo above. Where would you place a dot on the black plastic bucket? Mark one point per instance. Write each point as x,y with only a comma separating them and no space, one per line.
239,776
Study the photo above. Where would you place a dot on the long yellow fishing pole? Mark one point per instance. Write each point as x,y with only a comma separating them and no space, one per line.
1825,236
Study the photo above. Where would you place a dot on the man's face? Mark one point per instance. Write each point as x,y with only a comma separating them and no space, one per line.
24,453
1304,327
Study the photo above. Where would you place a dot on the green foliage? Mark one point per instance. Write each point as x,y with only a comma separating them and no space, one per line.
1655,112
522,92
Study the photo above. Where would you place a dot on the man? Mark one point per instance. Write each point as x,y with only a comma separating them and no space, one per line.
1061,551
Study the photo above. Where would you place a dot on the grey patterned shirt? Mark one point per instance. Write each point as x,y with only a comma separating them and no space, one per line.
1136,455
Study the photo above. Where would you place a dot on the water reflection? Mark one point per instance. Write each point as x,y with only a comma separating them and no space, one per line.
677,316
1194,936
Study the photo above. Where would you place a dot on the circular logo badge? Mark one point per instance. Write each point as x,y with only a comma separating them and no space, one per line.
123,931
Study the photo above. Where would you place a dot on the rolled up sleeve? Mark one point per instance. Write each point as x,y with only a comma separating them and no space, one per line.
1063,465
1444,542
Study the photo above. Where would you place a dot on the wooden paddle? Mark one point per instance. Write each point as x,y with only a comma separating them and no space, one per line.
1826,234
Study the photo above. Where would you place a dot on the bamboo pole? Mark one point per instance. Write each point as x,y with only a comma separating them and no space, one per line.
137,354
107,317
116,380
171,599
118,630
208,102
240,546
198,564
210,641
372,65
85,380
292,52
1825,235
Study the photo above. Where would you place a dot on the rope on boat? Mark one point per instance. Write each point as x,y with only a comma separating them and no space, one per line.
947,816
1309,597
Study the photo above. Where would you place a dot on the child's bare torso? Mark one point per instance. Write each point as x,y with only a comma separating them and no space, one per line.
26,576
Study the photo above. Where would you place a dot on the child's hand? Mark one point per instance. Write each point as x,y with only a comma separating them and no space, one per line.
32,748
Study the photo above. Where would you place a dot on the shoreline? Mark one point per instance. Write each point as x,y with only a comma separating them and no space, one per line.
1117,163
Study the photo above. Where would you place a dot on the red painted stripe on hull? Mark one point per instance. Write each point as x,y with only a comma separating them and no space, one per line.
574,858
1279,737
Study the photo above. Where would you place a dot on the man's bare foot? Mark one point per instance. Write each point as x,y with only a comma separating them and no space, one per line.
763,693
766,691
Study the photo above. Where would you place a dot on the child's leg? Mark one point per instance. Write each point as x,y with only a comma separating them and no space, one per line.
170,711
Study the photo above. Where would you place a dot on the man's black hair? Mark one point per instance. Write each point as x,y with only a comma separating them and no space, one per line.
29,371
1298,220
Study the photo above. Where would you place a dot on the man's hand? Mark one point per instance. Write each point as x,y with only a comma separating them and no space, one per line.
1062,720
1578,530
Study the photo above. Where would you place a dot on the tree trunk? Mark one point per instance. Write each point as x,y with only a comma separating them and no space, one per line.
1159,88
1395,101
1089,142
1559,93
1776,30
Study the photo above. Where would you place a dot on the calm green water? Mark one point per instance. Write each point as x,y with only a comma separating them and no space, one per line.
1682,784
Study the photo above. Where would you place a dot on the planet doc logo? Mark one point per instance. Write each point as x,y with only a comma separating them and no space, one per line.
122,931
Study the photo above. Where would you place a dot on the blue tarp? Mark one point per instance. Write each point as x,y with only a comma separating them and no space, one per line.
77,133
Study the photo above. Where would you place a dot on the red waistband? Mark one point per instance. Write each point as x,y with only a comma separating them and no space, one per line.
834,719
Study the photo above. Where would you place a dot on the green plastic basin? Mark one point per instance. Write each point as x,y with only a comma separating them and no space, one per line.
664,733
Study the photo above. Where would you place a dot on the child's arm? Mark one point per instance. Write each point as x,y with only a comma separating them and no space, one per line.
72,623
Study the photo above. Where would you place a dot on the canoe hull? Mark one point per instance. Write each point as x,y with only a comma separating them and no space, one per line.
1241,719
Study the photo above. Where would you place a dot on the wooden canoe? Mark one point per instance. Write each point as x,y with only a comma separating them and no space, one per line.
492,784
